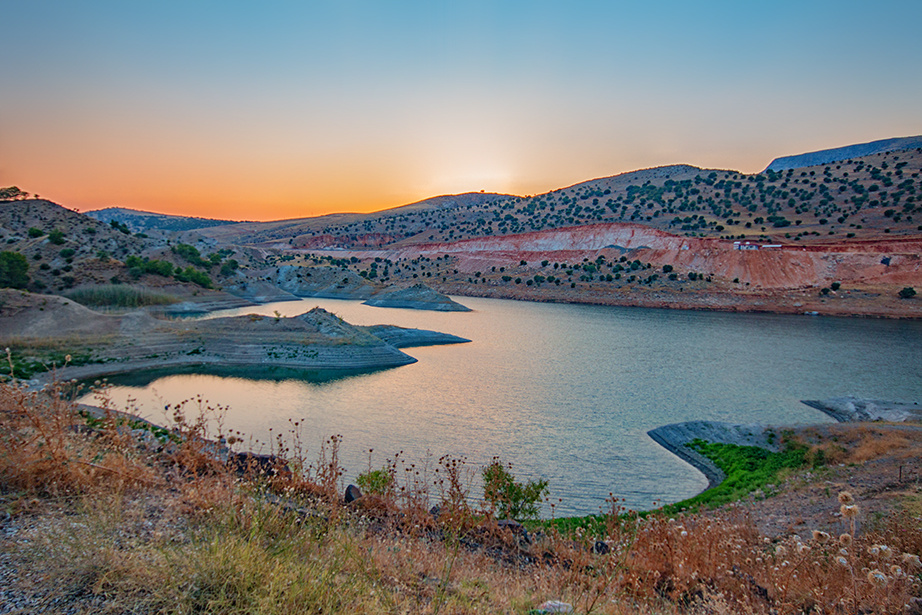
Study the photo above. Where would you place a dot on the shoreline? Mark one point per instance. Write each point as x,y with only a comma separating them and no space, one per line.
702,302
675,436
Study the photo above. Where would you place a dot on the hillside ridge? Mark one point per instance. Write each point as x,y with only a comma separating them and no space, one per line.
847,152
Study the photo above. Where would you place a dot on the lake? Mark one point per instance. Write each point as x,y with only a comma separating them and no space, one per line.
565,392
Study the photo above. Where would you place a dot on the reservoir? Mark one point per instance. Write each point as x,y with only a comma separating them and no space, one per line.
563,392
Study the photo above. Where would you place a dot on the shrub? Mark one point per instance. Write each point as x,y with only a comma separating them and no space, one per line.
138,266
35,232
190,254
378,482
229,266
191,274
56,237
907,292
509,498
13,270
120,227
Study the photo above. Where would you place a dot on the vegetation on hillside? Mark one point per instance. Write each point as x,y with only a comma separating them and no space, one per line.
842,200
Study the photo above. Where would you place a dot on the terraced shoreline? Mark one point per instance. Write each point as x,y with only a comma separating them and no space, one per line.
108,344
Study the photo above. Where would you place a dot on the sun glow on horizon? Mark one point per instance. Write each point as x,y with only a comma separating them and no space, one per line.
231,111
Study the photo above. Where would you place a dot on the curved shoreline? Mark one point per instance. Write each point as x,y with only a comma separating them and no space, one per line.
676,436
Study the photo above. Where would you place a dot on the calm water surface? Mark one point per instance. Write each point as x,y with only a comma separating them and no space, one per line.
567,392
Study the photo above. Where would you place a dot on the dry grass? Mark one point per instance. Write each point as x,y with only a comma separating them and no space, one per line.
112,520
856,444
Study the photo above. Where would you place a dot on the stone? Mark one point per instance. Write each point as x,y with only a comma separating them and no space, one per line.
352,494
554,606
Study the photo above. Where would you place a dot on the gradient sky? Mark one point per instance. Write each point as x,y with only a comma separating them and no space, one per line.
268,110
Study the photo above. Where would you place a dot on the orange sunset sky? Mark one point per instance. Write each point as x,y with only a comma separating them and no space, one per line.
262,111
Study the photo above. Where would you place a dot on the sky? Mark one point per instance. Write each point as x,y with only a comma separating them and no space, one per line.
271,110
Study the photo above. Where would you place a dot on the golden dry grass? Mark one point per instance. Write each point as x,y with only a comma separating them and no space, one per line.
108,520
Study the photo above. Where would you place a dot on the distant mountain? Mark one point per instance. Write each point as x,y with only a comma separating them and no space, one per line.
838,154
139,221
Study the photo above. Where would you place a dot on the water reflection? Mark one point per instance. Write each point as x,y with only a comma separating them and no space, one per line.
566,392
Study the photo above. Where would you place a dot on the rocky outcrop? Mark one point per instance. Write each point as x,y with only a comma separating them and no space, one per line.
323,282
416,297
400,337
258,291
828,156
675,437
856,409
136,341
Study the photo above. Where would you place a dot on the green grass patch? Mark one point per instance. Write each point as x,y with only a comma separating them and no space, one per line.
748,468
161,433
119,295
35,361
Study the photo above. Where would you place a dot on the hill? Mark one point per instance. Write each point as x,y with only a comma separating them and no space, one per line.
841,237
282,231
61,251
141,221
838,154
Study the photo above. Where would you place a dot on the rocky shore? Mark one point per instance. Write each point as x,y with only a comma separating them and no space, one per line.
676,436
106,344
855,409
416,297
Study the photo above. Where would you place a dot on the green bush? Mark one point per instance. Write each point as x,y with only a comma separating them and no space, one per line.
35,232
138,266
907,292
56,237
378,482
13,270
229,266
509,498
191,274
190,254
122,228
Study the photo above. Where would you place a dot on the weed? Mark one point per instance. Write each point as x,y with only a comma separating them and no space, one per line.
119,295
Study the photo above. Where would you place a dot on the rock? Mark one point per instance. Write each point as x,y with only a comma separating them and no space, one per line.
553,606
416,297
261,465
401,337
352,494
510,524
856,409
325,282
516,528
